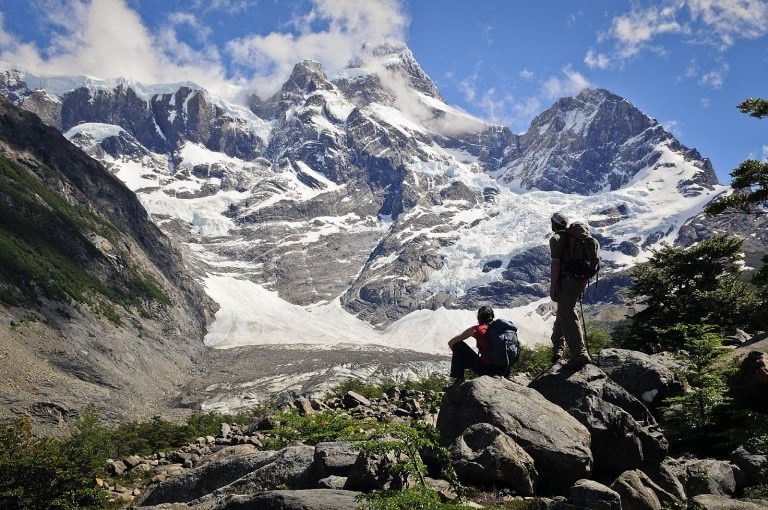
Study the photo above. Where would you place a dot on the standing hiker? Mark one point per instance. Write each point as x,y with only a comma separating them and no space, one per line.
575,259
497,344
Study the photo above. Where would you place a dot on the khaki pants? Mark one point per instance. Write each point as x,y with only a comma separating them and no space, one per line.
567,325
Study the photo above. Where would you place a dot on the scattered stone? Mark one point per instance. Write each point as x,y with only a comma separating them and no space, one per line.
132,461
335,458
225,430
753,463
210,439
595,496
371,471
352,400
714,502
117,467
332,482
483,454
638,492
709,476
304,406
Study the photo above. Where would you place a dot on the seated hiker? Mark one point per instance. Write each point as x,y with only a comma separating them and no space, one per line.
497,345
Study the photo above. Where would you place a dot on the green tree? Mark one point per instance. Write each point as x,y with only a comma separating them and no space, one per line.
700,284
691,414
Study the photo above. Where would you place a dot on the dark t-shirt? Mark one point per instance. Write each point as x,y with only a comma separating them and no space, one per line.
556,245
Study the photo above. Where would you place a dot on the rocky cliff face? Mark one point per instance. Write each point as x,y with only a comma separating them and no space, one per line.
96,305
368,190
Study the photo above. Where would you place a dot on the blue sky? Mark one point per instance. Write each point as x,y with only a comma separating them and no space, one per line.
687,63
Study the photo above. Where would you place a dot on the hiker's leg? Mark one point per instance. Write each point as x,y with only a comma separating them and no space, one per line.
558,340
463,357
570,291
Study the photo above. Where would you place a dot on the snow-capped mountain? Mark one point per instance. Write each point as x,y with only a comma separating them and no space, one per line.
347,203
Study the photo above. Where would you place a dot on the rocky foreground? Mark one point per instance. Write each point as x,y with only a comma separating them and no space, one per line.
573,438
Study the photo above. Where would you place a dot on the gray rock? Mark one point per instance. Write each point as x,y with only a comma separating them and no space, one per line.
304,406
714,502
132,461
709,476
667,478
558,444
310,499
206,478
638,492
117,467
332,482
335,458
483,455
750,383
225,430
624,434
371,471
753,463
292,467
595,496
352,399
645,377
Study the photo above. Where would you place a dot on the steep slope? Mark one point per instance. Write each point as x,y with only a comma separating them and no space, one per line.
96,305
367,192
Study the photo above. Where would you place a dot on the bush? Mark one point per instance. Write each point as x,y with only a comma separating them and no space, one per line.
49,473
416,498
330,425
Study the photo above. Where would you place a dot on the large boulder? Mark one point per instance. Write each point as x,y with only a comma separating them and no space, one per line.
710,476
753,463
595,496
750,383
558,444
713,502
335,458
646,377
311,499
624,434
483,454
292,467
372,471
667,478
638,492
206,478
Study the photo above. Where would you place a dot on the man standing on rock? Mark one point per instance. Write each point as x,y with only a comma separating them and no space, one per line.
565,290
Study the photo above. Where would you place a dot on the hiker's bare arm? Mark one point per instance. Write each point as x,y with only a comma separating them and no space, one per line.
554,275
461,337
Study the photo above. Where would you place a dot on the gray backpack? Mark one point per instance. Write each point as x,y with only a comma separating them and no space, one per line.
505,346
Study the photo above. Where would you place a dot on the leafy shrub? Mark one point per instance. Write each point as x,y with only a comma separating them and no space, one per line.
51,473
415,498
756,492
533,360
330,425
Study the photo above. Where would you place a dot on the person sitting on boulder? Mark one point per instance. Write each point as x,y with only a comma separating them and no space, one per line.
464,357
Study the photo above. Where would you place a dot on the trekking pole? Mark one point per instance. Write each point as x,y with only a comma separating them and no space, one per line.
581,305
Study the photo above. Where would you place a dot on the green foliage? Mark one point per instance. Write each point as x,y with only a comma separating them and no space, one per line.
146,287
751,180
756,492
415,498
690,416
330,425
533,360
432,387
597,339
688,286
755,107
49,473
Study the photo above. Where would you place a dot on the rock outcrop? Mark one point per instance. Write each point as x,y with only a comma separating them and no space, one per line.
558,443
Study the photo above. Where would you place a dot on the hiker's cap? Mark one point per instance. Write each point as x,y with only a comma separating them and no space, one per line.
559,219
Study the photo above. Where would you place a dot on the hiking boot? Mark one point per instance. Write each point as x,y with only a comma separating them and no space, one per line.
557,358
579,361
455,383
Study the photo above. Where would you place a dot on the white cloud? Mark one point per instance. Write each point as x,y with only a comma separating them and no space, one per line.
597,60
719,22
635,29
107,39
526,74
765,153
716,77
348,25
571,84
673,126
704,102
728,20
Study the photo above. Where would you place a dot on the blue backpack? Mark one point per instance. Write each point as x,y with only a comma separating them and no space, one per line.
505,346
